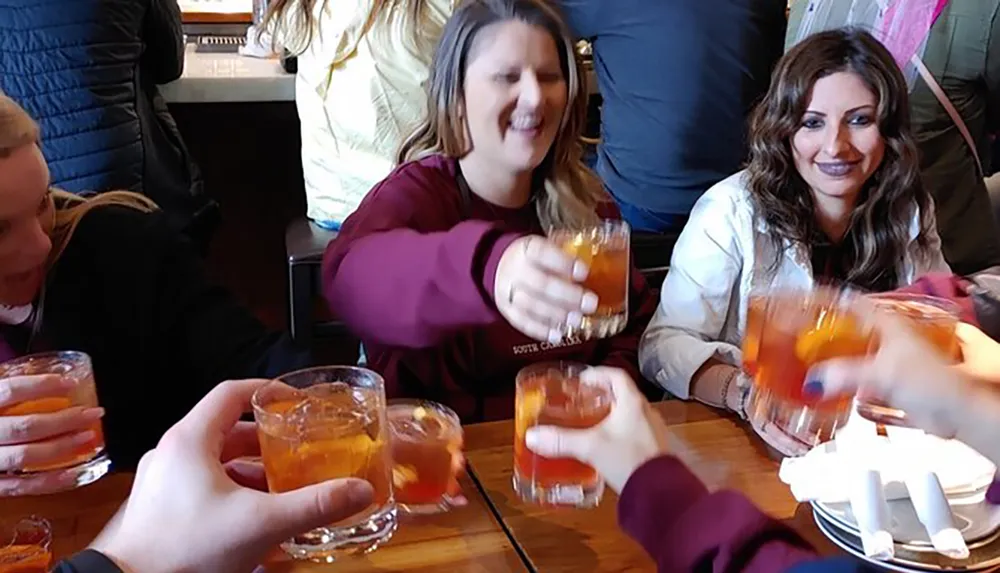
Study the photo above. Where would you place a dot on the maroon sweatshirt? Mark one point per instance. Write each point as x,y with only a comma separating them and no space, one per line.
683,527
411,274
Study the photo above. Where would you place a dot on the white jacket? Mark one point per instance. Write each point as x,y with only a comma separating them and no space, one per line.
358,96
724,254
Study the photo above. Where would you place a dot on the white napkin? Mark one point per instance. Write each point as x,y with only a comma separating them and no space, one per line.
823,474
927,495
857,446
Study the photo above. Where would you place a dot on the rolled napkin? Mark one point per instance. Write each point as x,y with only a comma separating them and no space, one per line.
858,445
823,473
872,512
927,496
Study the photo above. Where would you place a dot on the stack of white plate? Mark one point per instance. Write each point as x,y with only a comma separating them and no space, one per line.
978,521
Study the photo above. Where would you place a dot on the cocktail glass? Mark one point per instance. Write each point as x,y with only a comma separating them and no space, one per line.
24,545
605,249
327,423
426,441
935,320
551,394
797,330
87,462
751,339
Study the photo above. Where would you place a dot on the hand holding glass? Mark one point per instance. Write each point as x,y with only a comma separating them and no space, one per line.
327,423
605,249
552,394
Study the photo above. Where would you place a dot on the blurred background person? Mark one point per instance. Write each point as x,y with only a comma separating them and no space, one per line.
359,89
87,71
678,81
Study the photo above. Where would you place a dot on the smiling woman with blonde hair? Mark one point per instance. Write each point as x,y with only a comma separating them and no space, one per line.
445,271
107,276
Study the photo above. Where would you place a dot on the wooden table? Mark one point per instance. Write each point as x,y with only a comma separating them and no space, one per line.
465,539
496,532
555,540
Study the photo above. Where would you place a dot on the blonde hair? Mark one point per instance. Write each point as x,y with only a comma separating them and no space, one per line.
570,191
294,24
17,130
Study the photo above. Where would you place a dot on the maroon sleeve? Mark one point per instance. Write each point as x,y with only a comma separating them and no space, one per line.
405,270
951,287
683,527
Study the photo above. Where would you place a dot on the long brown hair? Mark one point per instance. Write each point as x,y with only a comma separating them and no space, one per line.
17,130
879,228
570,191
294,24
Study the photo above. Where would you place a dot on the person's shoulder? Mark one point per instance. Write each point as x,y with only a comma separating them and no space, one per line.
109,236
117,225
428,184
731,195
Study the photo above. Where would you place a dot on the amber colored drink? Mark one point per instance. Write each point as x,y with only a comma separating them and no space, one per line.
798,330
426,440
81,454
756,307
605,249
24,546
551,394
87,462
328,423
933,318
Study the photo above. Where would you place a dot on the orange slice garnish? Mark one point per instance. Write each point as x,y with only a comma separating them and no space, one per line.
529,406
833,335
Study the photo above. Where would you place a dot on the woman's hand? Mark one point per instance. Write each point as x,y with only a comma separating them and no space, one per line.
632,434
536,288
980,354
29,439
909,374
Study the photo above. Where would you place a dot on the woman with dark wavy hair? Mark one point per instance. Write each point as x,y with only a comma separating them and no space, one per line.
831,194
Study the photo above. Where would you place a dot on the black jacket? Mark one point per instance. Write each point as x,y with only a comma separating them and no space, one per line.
87,71
131,293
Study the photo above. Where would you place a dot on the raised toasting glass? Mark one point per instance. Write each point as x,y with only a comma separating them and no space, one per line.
426,442
327,423
935,320
796,330
605,249
87,462
24,545
551,394
751,339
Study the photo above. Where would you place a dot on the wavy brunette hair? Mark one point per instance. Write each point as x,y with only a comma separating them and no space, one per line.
879,228
570,191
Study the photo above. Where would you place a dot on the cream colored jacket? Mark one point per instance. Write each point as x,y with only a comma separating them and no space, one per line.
358,97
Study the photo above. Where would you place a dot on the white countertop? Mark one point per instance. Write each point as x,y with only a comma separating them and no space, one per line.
227,78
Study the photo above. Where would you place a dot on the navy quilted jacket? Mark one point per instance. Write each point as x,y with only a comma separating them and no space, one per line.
87,71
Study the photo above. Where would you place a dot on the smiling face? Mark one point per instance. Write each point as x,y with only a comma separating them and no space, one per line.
25,224
515,95
838,145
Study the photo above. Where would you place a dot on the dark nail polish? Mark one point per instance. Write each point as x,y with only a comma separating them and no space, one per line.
813,388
